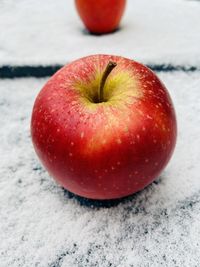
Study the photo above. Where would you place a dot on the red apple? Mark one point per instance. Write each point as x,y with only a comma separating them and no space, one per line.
101,16
104,126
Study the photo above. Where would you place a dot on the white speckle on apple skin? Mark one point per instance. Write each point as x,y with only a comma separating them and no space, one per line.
132,142
164,147
135,172
70,154
82,135
58,130
106,170
112,168
118,163
168,104
146,160
138,136
149,117
156,163
156,125
114,186
72,143
143,129
119,141
155,141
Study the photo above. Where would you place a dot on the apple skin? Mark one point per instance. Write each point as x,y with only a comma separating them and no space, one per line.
104,150
102,16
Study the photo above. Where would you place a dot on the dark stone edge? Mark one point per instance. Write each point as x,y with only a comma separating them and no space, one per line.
39,71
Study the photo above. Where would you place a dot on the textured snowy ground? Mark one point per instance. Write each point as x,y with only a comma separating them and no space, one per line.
41,224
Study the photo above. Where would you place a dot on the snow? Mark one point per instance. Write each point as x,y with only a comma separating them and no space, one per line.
49,32
42,225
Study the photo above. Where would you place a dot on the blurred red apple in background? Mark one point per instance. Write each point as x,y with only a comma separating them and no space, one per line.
104,126
100,16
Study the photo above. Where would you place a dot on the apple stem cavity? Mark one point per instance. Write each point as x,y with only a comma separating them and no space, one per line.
111,65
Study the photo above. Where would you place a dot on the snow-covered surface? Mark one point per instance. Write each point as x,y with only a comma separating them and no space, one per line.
49,32
41,226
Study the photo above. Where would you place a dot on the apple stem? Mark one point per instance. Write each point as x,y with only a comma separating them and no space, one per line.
111,65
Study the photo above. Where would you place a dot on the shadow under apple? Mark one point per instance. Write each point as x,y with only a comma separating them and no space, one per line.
84,31
95,203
